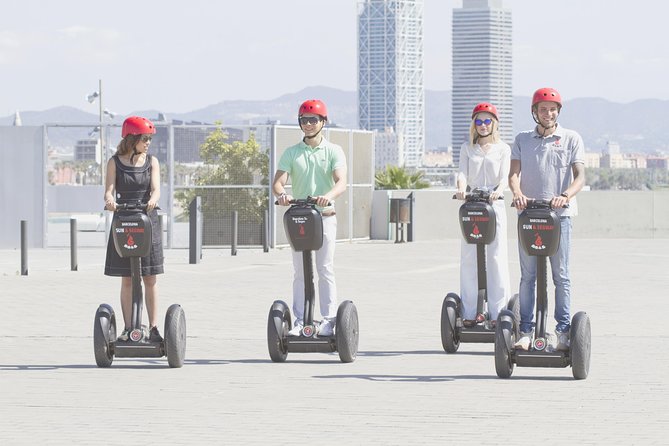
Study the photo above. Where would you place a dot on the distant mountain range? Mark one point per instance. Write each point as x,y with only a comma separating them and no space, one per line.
636,126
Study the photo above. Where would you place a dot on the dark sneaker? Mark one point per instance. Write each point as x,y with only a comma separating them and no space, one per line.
124,335
154,335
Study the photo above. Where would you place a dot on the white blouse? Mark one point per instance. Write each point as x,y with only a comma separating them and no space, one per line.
485,169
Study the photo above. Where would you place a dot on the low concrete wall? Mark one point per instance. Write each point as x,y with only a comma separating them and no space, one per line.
602,214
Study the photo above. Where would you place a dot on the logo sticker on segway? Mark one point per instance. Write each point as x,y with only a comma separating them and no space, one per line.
538,243
136,335
539,344
475,232
308,331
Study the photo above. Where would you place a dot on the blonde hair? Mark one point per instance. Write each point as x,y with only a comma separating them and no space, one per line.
494,135
127,144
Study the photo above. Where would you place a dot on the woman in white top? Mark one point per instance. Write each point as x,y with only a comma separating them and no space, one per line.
485,162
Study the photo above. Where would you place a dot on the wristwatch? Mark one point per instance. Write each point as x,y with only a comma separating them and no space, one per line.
565,194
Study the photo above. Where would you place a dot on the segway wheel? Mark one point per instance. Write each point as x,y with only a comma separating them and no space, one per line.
175,336
347,331
504,341
450,338
579,346
514,307
278,325
104,333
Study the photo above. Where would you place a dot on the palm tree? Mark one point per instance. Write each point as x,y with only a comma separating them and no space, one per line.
395,177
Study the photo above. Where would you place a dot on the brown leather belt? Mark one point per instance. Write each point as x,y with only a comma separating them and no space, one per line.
328,213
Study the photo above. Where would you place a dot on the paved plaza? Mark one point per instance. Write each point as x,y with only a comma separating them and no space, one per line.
402,389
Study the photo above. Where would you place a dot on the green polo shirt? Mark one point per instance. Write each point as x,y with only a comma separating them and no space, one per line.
310,169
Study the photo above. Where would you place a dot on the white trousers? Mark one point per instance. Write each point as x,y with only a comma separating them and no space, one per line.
327,288
497,266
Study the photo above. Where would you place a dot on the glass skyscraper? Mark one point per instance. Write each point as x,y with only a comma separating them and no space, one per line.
390,73
482,66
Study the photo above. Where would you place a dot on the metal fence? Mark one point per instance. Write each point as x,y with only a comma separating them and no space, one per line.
74,172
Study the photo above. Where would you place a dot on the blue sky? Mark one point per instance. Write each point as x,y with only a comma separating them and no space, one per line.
178,56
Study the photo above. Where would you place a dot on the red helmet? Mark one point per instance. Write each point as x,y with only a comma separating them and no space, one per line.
485,107
315,106
136,125
548,95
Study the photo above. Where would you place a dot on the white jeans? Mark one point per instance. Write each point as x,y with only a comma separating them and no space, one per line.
497,267
327,288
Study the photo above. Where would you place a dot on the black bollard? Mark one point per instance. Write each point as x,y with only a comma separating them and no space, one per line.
265,231
233,245
73,245
24,248
195,231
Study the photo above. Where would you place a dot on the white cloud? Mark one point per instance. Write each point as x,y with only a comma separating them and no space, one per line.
75,31
8,40
613,56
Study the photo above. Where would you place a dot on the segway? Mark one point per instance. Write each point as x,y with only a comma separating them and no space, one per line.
131,233
303,224
539,234
478,224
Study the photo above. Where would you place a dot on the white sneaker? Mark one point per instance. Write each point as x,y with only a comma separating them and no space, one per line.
524,342
297,328
325,328
562,341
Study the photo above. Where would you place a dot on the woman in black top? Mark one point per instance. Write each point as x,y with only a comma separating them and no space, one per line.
134,176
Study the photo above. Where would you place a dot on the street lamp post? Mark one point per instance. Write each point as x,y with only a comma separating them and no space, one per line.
103,152
103,156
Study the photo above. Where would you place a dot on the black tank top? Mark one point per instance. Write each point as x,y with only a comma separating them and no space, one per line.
133,183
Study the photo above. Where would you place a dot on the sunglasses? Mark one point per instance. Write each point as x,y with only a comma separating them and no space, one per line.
487,121
146,138
313,120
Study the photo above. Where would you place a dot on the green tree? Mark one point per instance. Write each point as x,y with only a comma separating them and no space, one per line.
395,177
230,164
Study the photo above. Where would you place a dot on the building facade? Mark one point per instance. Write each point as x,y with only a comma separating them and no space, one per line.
390,72
482,66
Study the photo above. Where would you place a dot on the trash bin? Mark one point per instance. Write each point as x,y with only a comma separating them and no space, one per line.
400,210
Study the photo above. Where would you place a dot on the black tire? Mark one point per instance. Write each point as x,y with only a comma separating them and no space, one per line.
579,345
504,340
278,325
347,331
450,336
104,333
175,336
514,307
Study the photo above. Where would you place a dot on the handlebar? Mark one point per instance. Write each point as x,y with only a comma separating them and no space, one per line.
131,206
309,201
478,195
536,203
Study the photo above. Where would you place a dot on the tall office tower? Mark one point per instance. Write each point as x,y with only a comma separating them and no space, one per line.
482,66
390,72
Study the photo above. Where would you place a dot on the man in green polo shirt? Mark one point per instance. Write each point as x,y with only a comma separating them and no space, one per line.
316,168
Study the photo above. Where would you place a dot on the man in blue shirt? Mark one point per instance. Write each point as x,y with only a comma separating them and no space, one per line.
547,163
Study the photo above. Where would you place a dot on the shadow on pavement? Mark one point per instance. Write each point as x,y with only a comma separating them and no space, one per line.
422,352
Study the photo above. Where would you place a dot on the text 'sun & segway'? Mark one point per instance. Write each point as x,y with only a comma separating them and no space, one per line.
131,233
303,224
539,234
478,225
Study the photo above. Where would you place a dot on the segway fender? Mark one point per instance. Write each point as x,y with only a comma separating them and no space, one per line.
455,298
278,309
506,321
104,315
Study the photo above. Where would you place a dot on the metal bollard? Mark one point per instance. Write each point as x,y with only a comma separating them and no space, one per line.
265,231
233,245
73,245
195,231
24,248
